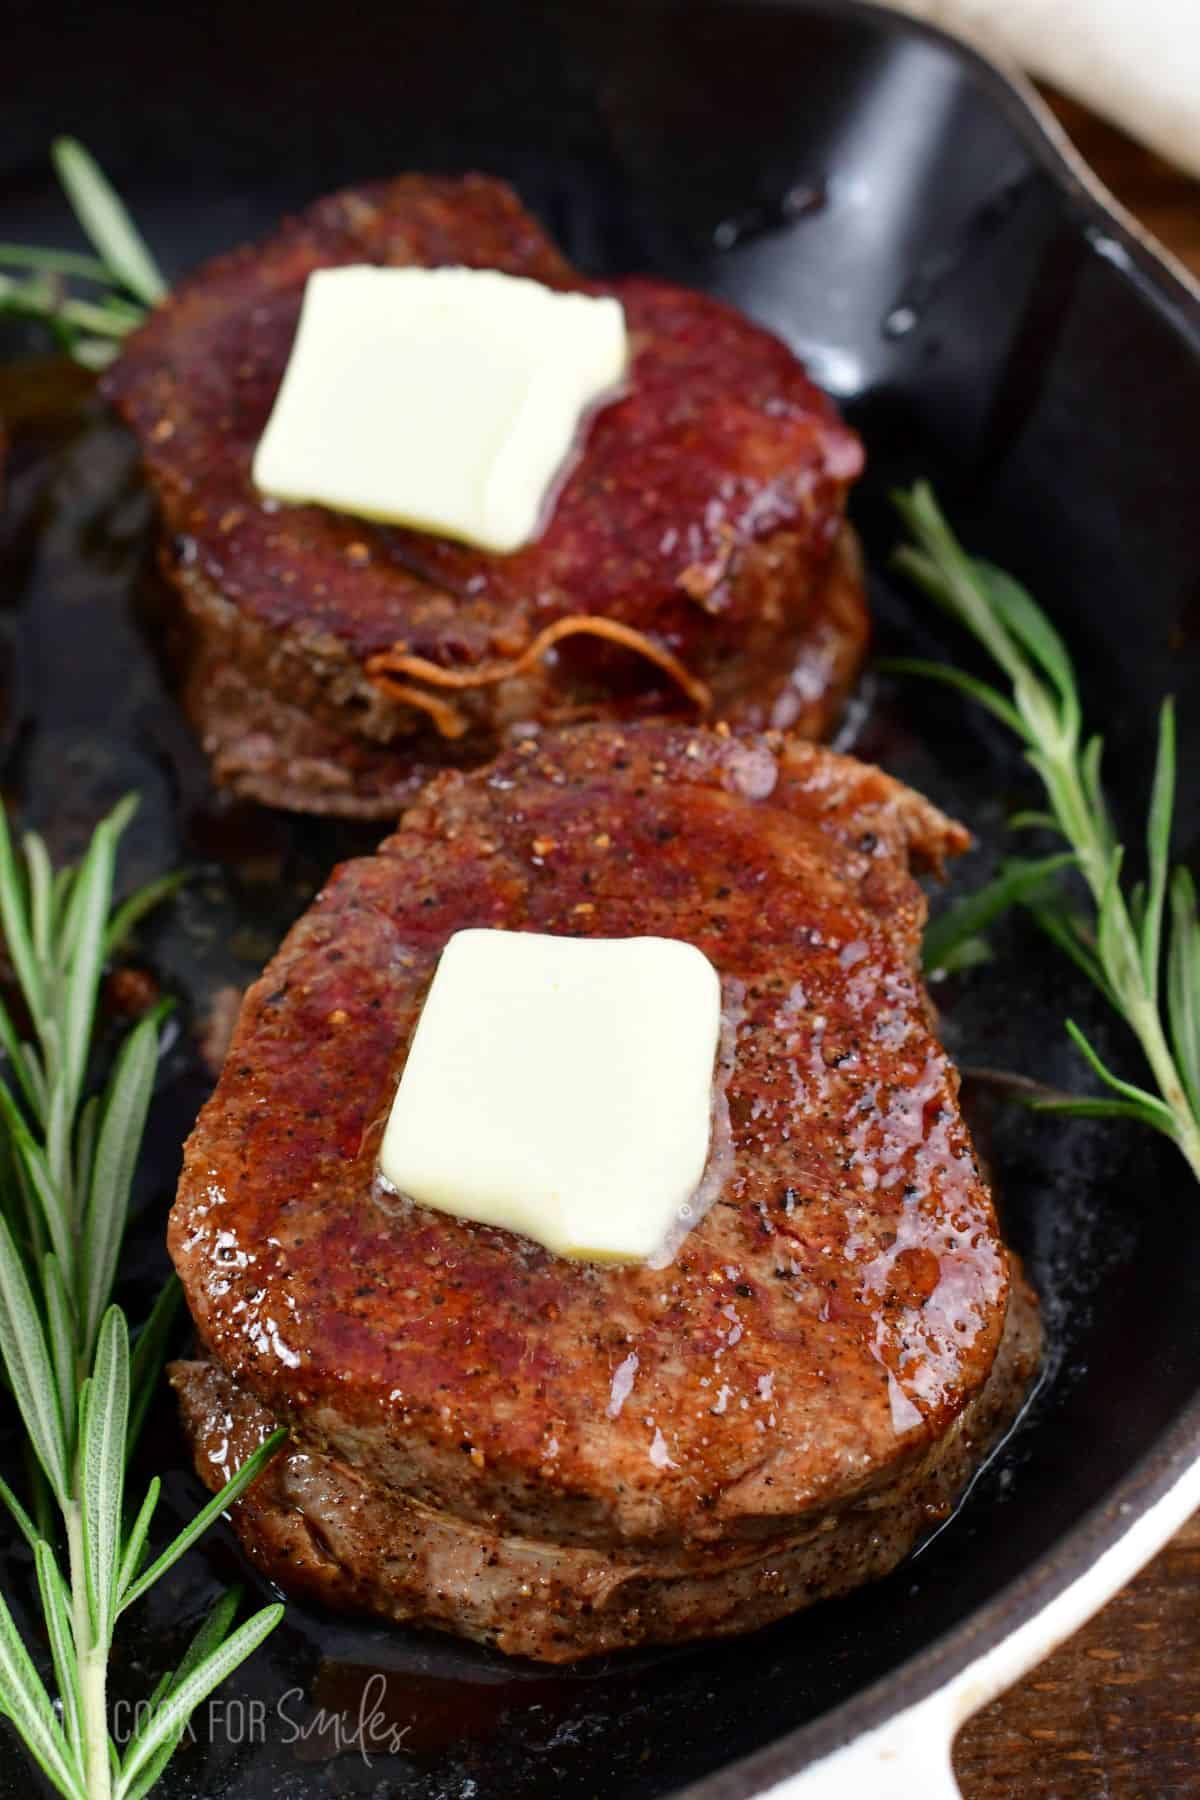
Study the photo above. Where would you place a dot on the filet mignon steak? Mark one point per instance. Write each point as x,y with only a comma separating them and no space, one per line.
695,560
560,1458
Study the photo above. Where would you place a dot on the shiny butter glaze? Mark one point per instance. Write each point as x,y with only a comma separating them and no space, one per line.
821,1328
328,1532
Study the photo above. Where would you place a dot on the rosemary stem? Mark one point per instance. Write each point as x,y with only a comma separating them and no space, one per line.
1144,1018
92,1660
67,1161
93,1674
1076,823
1143,956
1078,827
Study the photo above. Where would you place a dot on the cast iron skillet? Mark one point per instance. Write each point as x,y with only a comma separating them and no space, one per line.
889,205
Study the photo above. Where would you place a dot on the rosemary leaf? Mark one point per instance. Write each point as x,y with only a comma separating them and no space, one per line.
949,676
1158,848
102,1455
966,953
24,1523
113,235
939,563
85,932
169,1720
54,262
60,1326
1029,624
135,1543
127,917
208,1515
1095,1107
213,1631
85,1144
1152,1109
971,917
126,1104
121,308
1137,908
92,353
41,1496
103,321
19,1063
56,1610
35,1076
60,1173
46,1215
1066,929
15,923
27,1360
24,1698
41,894
1183,982
1121,949
67,1158
211,1634
124,278
1093,786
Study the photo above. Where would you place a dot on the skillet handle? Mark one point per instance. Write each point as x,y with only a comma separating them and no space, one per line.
906,1758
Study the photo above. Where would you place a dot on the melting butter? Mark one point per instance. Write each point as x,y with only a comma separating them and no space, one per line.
446,399
561,1088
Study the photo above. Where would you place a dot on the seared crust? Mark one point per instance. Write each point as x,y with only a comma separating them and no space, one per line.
701,514
325,1531
819,1332
299,753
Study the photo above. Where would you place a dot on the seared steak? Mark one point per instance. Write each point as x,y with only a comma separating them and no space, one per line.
688,565
700,1447
323,1530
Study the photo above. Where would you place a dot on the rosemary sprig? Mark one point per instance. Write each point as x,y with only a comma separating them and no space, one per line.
122,278
1122,940
67,1156
954,940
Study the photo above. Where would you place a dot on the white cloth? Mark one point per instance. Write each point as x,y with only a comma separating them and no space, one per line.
1136,61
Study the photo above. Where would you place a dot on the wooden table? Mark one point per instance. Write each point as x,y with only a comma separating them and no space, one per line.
1116,1712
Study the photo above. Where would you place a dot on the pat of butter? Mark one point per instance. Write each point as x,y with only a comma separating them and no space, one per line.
560,1087
447,399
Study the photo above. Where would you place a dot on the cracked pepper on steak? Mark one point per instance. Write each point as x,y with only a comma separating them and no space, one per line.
696,559
558,1458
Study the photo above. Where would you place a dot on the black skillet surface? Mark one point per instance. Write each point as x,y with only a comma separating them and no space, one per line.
887,204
